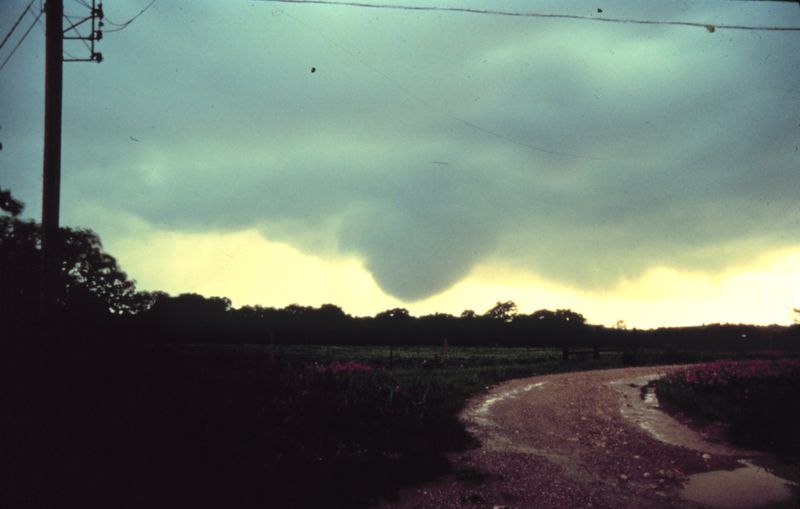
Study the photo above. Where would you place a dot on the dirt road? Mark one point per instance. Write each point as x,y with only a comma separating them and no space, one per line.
566,441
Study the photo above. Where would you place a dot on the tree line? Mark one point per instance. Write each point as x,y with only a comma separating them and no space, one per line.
96,300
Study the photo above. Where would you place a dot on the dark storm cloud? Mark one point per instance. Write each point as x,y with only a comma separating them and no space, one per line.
415,143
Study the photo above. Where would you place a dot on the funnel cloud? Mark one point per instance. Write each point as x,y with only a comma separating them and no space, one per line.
426,144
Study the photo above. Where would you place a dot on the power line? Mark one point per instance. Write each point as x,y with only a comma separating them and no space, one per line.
124,25
766,1
708,26
20,41
5,39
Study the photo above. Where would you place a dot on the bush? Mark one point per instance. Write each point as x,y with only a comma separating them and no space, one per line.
167,429
757,399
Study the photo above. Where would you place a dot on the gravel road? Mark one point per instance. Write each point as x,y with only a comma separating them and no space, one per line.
563,441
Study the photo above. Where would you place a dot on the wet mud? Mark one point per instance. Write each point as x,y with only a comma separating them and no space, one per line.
750,480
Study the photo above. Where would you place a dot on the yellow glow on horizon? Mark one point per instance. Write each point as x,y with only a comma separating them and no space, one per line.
762,293
250,269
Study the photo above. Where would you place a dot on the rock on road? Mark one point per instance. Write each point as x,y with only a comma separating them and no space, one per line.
562,441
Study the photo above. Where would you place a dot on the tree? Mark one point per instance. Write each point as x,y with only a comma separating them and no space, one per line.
503,311
330,312
19,261
10,204
190,307
92,279
567,316
90,282
393,314
297,310
559,317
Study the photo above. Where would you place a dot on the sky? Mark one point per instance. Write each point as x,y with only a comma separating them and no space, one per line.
439,161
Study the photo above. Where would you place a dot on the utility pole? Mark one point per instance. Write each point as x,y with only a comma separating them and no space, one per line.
51,168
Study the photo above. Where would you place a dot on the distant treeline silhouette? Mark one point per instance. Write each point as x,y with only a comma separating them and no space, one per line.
96,301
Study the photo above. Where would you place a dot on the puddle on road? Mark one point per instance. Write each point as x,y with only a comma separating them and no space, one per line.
646,414
748,487
481,414
751,486
478,420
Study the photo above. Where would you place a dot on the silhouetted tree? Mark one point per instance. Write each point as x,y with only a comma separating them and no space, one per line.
20,261
92,279
190,317
89,280
393,314
559,317
297,310
502,311
543,316
10,204
567,316
190,306
330,312
438,316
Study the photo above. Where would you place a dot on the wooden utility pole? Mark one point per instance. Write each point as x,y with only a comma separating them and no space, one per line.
51,168
55,34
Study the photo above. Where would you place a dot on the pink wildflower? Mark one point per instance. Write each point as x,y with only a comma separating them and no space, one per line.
349,367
